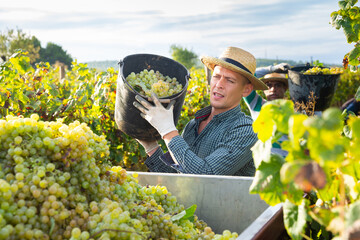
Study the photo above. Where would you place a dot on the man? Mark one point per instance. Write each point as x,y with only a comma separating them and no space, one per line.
219,139
277,84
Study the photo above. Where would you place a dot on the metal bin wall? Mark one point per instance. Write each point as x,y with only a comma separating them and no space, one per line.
223,202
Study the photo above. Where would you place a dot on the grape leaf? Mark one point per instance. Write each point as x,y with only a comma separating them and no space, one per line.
267,182
346,4
357,94
296,129
289,170
280,111
322,215
52,221
353,213
354,55
261,152
295,218
263,125
186,214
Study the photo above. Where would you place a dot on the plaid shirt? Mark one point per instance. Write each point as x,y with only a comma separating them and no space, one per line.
222,147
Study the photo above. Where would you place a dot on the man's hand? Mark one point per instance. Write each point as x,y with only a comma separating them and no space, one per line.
280,68
158,116
149,146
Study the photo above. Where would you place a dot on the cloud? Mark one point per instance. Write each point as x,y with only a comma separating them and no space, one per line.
108,29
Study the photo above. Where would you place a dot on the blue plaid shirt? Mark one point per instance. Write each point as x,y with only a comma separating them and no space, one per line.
221,148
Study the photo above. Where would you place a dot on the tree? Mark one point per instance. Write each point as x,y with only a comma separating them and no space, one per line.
186,57
11,41
53,53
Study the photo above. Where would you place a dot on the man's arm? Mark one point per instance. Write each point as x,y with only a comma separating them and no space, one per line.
155,164
262,71
254,102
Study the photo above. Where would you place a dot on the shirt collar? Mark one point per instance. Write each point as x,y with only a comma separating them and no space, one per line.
205,112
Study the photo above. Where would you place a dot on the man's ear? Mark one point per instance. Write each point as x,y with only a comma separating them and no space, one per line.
247,89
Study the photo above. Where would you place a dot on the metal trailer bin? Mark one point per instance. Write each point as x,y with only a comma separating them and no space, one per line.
223,202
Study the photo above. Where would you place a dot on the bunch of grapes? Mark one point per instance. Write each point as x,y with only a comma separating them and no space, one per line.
56,183
318,70
146,82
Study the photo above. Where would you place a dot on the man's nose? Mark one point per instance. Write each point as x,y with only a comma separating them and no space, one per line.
220,83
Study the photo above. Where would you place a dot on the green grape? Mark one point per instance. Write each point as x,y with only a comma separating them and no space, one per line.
146,82
80,196
318,70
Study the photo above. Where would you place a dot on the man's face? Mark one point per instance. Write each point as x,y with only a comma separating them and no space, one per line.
276,90
227,88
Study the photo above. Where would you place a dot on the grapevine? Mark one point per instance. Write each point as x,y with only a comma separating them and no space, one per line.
318,181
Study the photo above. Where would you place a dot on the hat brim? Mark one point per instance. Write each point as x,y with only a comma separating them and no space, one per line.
283,80
211,62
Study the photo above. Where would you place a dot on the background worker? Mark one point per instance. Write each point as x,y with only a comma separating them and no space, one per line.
219,139
277,84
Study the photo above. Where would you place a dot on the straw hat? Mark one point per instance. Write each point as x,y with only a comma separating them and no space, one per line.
279,77
237,60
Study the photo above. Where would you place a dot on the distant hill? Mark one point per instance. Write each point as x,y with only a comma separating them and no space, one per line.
263,62
103,65
260,62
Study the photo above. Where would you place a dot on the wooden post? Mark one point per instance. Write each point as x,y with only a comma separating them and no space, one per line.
62,68
62,71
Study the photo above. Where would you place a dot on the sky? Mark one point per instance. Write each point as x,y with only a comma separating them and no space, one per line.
112,29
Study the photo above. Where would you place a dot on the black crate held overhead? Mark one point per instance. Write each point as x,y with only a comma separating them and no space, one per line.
322,85
127,117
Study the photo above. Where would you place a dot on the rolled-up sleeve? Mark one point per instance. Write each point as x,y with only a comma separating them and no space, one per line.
155,164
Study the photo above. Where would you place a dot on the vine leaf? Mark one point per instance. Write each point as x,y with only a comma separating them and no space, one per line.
267,182
186,214
357,94
295,218
354,56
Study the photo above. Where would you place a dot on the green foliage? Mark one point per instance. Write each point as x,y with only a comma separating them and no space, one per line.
319,178
348,18
53,53
346,88
184,56
318,63
85,95
11,41
357,94
185,214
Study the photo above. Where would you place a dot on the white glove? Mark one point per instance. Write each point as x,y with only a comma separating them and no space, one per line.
282,67
158,116
148,145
